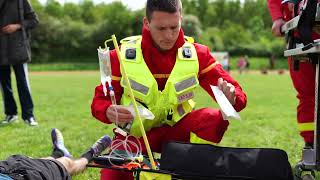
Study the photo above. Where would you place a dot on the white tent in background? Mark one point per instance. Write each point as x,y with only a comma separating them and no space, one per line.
219,55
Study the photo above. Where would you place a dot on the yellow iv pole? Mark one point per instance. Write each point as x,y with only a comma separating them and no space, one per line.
124,74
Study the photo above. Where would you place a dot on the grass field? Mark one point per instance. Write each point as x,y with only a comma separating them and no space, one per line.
62,100
256,63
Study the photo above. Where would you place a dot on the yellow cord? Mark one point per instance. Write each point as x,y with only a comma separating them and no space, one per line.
124,74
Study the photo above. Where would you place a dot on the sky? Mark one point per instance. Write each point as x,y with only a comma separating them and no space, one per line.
132,4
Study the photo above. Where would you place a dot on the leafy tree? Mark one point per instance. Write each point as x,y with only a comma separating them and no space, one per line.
45,38
234,35
36,5
72,10
212,37
73,30
191,26
137,21
189,7
88,15
219,8
54,8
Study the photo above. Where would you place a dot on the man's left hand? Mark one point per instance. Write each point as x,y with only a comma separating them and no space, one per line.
228,90
11,28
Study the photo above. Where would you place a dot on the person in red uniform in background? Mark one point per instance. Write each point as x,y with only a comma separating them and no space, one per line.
161,37
303,79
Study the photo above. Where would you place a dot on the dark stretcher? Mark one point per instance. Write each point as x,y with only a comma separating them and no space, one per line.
305,22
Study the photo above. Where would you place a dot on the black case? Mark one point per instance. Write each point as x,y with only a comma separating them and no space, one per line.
204,161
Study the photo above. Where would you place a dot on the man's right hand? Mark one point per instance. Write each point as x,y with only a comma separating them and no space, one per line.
119,115
276,27
11,28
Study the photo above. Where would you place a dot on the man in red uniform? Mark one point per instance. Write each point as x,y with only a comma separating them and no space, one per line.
303,79
162,36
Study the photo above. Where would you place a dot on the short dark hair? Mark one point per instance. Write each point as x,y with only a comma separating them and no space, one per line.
170,6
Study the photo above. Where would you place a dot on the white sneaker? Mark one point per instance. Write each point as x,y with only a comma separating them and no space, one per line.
9,119
31,121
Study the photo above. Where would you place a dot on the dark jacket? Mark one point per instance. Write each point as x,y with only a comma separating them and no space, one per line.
10,43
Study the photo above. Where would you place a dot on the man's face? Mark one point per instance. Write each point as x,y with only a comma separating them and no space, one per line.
164,28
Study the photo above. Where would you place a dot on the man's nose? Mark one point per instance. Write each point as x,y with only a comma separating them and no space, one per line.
169,34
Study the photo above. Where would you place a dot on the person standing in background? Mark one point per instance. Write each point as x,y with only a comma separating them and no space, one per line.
241,64
226,63
16,19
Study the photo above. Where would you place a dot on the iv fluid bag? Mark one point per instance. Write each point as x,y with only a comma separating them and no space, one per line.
105,67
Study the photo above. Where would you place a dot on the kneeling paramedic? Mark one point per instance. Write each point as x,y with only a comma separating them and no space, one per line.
164,70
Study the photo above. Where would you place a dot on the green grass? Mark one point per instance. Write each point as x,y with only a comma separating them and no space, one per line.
256,63
62,100
67,66
259,63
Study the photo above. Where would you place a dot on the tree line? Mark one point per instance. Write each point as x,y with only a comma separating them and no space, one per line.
73,32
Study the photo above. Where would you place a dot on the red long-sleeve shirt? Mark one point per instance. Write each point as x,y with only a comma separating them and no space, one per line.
160,65
275,9
279,11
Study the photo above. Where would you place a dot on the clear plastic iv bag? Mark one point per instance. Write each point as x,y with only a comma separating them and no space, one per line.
105,67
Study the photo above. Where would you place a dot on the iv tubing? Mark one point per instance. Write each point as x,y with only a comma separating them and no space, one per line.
145,139
111,92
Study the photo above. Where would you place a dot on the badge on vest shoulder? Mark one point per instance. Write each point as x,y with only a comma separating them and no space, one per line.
185,97
186,52
131,53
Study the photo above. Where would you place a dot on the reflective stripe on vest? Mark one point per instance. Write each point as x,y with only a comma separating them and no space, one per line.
306,126
138,87
169,105
185,84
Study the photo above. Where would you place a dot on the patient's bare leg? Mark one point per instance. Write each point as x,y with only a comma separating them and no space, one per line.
73,166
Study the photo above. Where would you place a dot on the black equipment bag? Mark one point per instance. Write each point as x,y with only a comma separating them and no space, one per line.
204,161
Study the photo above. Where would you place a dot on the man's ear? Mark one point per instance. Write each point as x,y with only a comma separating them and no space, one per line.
146,23
180,23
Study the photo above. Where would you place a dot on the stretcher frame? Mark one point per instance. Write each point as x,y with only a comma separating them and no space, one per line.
310,156
173,176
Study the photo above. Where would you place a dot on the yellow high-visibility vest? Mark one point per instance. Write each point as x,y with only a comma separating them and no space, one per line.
169,105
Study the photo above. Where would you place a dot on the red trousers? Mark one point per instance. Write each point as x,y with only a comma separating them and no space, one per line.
304,83
206,123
